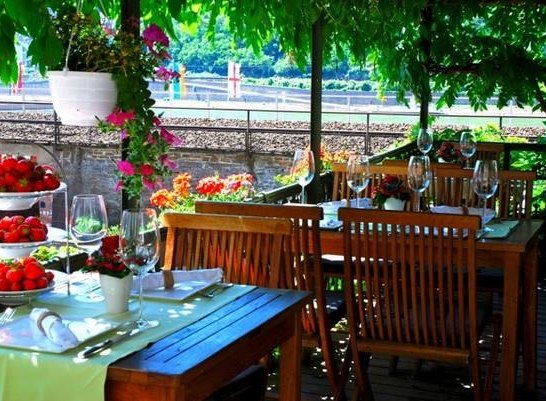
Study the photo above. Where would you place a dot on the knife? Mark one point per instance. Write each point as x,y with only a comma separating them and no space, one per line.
124,331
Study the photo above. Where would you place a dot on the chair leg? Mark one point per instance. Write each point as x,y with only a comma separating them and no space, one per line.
393,365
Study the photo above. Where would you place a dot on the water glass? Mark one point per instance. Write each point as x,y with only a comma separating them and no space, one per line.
303,168
358,174
467,145
419,177
484,183
88,221
425,140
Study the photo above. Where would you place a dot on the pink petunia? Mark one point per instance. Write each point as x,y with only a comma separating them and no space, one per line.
156,121
146,169
167,162
148,184
119,185
126,168
118,117
123,134
165,74
150,138
169,137
153,34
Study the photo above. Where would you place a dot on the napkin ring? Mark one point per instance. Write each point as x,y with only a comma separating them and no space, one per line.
168,279
43,316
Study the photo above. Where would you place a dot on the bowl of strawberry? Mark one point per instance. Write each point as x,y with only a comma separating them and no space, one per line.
23,181
19,236
22,280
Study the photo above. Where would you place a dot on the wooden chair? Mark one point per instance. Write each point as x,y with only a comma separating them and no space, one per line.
412,291
513,198
305,259
248,249
484,151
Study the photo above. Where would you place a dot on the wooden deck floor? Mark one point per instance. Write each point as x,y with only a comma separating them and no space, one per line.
434,382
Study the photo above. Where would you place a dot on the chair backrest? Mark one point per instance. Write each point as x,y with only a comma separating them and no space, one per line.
513,197
248,249
411,283
304,256
484,151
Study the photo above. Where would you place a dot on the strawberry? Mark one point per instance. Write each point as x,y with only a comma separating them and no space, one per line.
49,275
24,166
17,219
38,234
23,185
51,181
38,173
29,285
11,236
38,186
16,286
34,222
9,164
5,223
14,275
23,230
10,179
5,285
33,270
3,187
41,282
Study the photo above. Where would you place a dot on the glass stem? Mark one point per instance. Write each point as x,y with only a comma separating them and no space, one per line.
140,298
483,214
302,194
357,200
417,206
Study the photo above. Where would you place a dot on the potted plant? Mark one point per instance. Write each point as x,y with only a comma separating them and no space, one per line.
391,194
132,61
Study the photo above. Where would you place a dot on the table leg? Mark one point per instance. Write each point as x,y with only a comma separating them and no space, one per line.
529,343
509,360
290,363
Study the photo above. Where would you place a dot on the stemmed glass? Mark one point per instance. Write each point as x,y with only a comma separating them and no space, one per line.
303,167
425,139
484,182
139,248
88,221
419,177
358,173
468,145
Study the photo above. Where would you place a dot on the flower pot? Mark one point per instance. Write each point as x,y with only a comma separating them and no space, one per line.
116,292
394,204
80,97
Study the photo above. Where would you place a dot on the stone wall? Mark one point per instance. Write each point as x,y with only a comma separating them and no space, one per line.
91,169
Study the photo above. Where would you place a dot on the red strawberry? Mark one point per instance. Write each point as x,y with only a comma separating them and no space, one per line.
38,234
14,275
24,166
9,164
11,236
16,286
5,285
17,219
39,186
3,187
23,185
33,270
29,285
49,275
23,230
10,179
41,282
5,223
51,181
38,173
34,222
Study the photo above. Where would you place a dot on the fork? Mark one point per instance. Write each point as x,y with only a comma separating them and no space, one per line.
7,315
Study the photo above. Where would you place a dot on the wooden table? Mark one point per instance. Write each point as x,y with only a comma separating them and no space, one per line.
193,362
518,256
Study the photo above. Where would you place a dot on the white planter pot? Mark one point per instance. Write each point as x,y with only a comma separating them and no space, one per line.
394,204
116,292
80,97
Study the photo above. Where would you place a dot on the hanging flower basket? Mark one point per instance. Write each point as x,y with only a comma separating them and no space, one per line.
80,97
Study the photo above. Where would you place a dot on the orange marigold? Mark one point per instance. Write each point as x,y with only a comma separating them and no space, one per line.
181,184
163,199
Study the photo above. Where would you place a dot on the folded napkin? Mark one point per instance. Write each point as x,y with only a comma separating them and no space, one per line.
501,229
167,279
52,326
473,211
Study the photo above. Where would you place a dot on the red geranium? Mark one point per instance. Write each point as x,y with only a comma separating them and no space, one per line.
107,259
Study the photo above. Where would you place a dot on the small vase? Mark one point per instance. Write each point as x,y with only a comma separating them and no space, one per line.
116,292
394,204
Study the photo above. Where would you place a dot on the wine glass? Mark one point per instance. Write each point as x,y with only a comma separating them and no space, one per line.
358,173
419,177
88,221
139,248
484,183
468,145
425,140
87,227
303,167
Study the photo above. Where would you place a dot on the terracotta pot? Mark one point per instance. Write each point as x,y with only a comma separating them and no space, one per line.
116,292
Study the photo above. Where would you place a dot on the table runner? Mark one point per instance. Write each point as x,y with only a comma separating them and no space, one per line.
41,376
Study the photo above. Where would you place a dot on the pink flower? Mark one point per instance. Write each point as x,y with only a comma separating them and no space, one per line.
153,34
156,121
167,162
123,134
146,169
150,138
165,74
118,117
126,168
119,185
169,137
148,184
